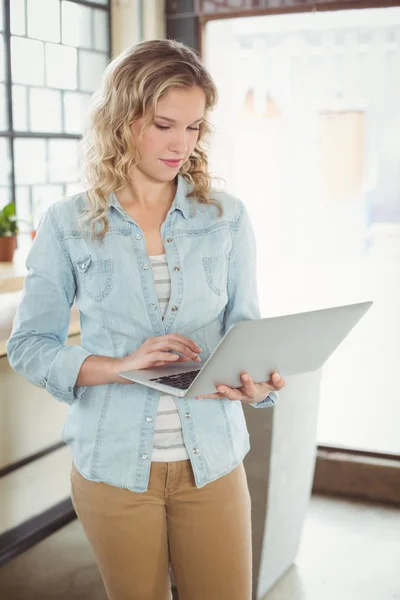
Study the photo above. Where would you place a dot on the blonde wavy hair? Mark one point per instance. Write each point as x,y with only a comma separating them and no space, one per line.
132,85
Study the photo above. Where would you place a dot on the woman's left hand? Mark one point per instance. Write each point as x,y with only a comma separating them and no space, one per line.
250,392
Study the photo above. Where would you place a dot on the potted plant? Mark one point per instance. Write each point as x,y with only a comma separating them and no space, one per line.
8,233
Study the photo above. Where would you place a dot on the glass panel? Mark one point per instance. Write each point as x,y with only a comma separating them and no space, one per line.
44,196
2,63
17,17
27,61
100,29
45,110
76,25
76,107
4,162
3,109
61,66
91,68
24,210
5,196
30,161
73,188
20,107
63,161
44,20
308,136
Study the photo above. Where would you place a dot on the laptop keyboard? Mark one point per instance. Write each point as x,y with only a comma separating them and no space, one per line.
181,380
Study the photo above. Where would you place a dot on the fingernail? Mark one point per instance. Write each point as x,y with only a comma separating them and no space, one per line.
277,377
245,377
222,389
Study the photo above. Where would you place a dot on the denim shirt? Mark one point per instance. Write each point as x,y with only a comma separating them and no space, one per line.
212,264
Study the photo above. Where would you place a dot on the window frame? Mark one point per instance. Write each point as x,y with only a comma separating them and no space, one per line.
11,134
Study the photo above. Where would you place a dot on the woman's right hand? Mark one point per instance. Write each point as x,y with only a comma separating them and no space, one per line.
156,351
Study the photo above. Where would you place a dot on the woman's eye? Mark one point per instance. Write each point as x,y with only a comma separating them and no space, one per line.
164,127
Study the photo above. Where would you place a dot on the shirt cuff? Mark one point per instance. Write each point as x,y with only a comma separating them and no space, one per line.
270,400
64,372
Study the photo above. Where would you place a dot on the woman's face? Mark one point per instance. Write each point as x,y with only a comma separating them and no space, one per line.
173,135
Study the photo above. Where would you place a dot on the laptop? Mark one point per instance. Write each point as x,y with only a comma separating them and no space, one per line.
289,344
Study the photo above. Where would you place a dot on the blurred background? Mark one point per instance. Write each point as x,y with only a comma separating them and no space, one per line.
307,134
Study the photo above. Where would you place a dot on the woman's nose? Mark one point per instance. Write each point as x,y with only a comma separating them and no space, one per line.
179,144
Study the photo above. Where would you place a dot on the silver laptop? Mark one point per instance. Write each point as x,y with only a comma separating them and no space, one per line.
288,344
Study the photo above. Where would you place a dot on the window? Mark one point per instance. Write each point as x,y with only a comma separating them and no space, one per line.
307,134
52,56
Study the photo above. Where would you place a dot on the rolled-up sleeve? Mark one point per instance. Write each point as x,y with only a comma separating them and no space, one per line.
36,348
243,303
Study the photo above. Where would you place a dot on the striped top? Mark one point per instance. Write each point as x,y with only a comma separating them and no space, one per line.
168,443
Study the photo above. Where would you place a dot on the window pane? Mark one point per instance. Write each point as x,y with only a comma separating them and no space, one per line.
76,25
4,162
44,20
24,210
45,110
27,61
20,107
5,196
44,196
30,161
100,28
17,17
2,72
61,67
73,188
76,107
91,67
3,113
63,161
315,97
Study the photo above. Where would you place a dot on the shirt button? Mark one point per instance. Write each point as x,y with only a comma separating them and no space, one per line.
188,415
177,268
138,236
174,308
149,419
43,382
169,240
145,456
145,266
196,450
153,306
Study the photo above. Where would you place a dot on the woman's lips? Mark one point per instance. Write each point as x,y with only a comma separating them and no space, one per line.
171,163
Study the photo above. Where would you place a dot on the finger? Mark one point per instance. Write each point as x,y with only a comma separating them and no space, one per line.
230,393
165,345
183,340
166,357
249,387
276,381
214,396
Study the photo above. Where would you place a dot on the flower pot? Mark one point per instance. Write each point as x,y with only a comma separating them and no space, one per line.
7,247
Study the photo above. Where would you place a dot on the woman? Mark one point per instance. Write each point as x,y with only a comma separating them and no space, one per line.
160,266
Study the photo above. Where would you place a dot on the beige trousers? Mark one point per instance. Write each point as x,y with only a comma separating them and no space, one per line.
204,534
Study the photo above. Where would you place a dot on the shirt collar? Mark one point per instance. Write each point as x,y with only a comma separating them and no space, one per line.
181,202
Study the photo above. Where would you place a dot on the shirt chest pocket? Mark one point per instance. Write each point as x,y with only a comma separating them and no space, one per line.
216,271
96,277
